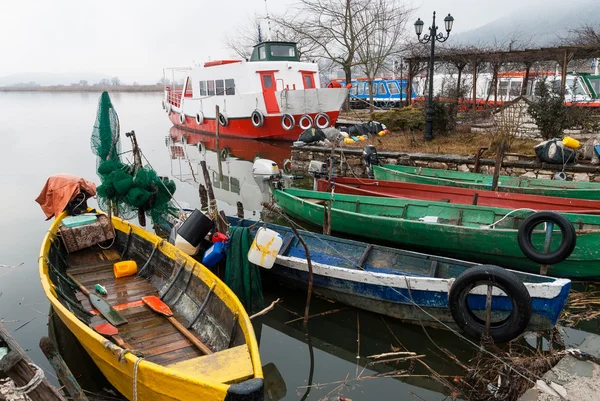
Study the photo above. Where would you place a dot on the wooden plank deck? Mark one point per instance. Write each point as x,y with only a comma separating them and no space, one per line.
146,330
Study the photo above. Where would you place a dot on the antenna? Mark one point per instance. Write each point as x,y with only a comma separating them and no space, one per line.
268,22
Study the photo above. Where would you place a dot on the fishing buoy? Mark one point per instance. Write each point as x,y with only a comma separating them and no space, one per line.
125,268
571,142
265,248
348,140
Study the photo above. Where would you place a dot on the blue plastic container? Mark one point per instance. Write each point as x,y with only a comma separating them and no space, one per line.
215,254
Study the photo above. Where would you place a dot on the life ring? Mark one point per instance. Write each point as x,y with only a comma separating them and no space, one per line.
257,118
182,118
305,122
201,148
288,121
474,325
286,166
567,244
199,118
223,120
224,153
319,120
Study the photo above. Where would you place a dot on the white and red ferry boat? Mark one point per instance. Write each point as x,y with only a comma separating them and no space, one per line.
271,96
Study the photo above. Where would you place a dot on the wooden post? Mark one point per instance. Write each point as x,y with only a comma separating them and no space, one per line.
62,370
526,80
495,83
221,226
218,150
475,84
460,67
498,165
203,197
240,210
563,78
16,365
209,188
409,83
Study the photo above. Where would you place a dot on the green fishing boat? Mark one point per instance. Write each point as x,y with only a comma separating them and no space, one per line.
475,233
524,185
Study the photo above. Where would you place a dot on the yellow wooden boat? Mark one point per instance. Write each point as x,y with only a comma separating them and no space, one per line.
161,363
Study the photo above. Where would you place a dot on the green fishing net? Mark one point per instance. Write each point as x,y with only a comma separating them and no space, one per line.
125,186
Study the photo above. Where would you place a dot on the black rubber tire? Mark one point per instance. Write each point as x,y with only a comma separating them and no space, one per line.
223,120
505,330
288,122
567,245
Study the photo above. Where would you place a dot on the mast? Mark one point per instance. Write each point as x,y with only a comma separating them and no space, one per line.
268,22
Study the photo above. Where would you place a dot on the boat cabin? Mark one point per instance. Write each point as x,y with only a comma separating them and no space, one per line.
275,51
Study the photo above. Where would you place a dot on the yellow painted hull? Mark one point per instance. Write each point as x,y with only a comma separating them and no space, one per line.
154,382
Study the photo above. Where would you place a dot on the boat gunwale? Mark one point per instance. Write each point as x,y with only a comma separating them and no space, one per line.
169,251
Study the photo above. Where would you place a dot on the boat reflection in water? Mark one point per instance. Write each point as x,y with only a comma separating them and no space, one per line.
188,149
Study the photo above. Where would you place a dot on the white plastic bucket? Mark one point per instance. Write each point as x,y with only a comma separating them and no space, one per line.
185,246
265,248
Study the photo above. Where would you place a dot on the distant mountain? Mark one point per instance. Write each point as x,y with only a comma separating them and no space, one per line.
535,27
49,78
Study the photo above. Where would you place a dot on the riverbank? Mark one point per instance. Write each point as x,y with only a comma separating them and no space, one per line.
81,88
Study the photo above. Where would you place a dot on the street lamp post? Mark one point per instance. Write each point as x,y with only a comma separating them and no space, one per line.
432,37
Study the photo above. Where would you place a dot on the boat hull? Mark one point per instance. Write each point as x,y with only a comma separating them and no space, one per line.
468,196
523,185
163,382
474,243
382,286
243,127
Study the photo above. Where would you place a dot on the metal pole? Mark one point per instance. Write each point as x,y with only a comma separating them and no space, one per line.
401,81
429,118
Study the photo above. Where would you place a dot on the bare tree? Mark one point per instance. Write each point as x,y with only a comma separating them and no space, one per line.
83,82
585,35
332,26
115,81
384,22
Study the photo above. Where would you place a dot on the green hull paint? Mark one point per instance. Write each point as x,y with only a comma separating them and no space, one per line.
524,185
458,233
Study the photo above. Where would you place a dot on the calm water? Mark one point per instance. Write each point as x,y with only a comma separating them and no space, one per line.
47,133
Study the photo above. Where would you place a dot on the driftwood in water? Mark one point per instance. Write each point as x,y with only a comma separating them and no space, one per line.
62,370
20,368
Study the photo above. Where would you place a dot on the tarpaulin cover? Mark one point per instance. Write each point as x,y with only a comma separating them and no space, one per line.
59,190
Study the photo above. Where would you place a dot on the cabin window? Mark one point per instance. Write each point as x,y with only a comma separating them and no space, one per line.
393,88
309,80
578,88
354,89
211,87
267,81
503,89
229,87
202,88
282,51
220,87
235,185
515,88
262,53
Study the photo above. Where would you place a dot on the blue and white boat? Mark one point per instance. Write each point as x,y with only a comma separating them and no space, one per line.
417,287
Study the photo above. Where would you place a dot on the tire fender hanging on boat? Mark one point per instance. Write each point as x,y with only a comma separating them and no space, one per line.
287,121
182,118
460,302
199,118
305,122
257,118
567,244
223,120
322,121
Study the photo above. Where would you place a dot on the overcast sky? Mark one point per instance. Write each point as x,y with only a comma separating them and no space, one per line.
135,39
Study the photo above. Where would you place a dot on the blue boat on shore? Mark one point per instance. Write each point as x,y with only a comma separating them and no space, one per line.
417,287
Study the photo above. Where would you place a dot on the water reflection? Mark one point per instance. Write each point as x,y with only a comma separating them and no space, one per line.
187,150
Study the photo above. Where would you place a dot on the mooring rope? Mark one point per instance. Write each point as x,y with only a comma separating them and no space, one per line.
135,374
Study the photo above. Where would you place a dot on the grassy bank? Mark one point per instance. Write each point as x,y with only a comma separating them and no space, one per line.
80,88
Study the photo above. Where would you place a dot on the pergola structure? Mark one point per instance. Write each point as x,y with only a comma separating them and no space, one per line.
563,55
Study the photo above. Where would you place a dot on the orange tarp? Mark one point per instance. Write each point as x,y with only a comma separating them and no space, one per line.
60,189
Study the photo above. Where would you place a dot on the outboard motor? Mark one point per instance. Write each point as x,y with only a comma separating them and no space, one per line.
370,159
317,170
265,172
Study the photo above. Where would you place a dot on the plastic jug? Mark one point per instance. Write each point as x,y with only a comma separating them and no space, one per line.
185,246
570,142
125,268
215,253
265,247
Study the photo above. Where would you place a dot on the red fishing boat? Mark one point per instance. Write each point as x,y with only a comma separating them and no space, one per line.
437,193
